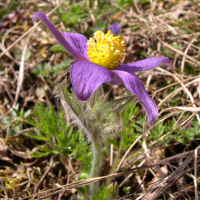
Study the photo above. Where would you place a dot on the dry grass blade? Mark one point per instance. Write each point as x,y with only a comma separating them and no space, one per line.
21,74
111,154
179,52
176,92
29,31
89,181
195,173
188,93
141,136
172,179
188,109
129,149
48,169
186,51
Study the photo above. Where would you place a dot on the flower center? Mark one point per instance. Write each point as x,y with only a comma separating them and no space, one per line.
106,50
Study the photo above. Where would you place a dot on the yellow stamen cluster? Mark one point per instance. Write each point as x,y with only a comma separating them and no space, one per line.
106,50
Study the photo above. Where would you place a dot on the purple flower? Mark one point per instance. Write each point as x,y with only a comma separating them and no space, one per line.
98,61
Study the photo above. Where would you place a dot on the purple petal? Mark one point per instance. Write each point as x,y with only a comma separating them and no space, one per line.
134,85
115,29
145,64
116,80
78,43
57,34
86,77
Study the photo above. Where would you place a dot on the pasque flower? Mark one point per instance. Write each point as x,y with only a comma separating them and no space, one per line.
98,61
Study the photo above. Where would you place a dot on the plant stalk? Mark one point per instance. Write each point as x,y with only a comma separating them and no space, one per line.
96,166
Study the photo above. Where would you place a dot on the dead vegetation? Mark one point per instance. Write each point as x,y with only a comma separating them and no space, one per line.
29,72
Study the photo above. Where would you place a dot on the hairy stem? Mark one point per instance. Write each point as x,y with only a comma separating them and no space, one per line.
96,166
